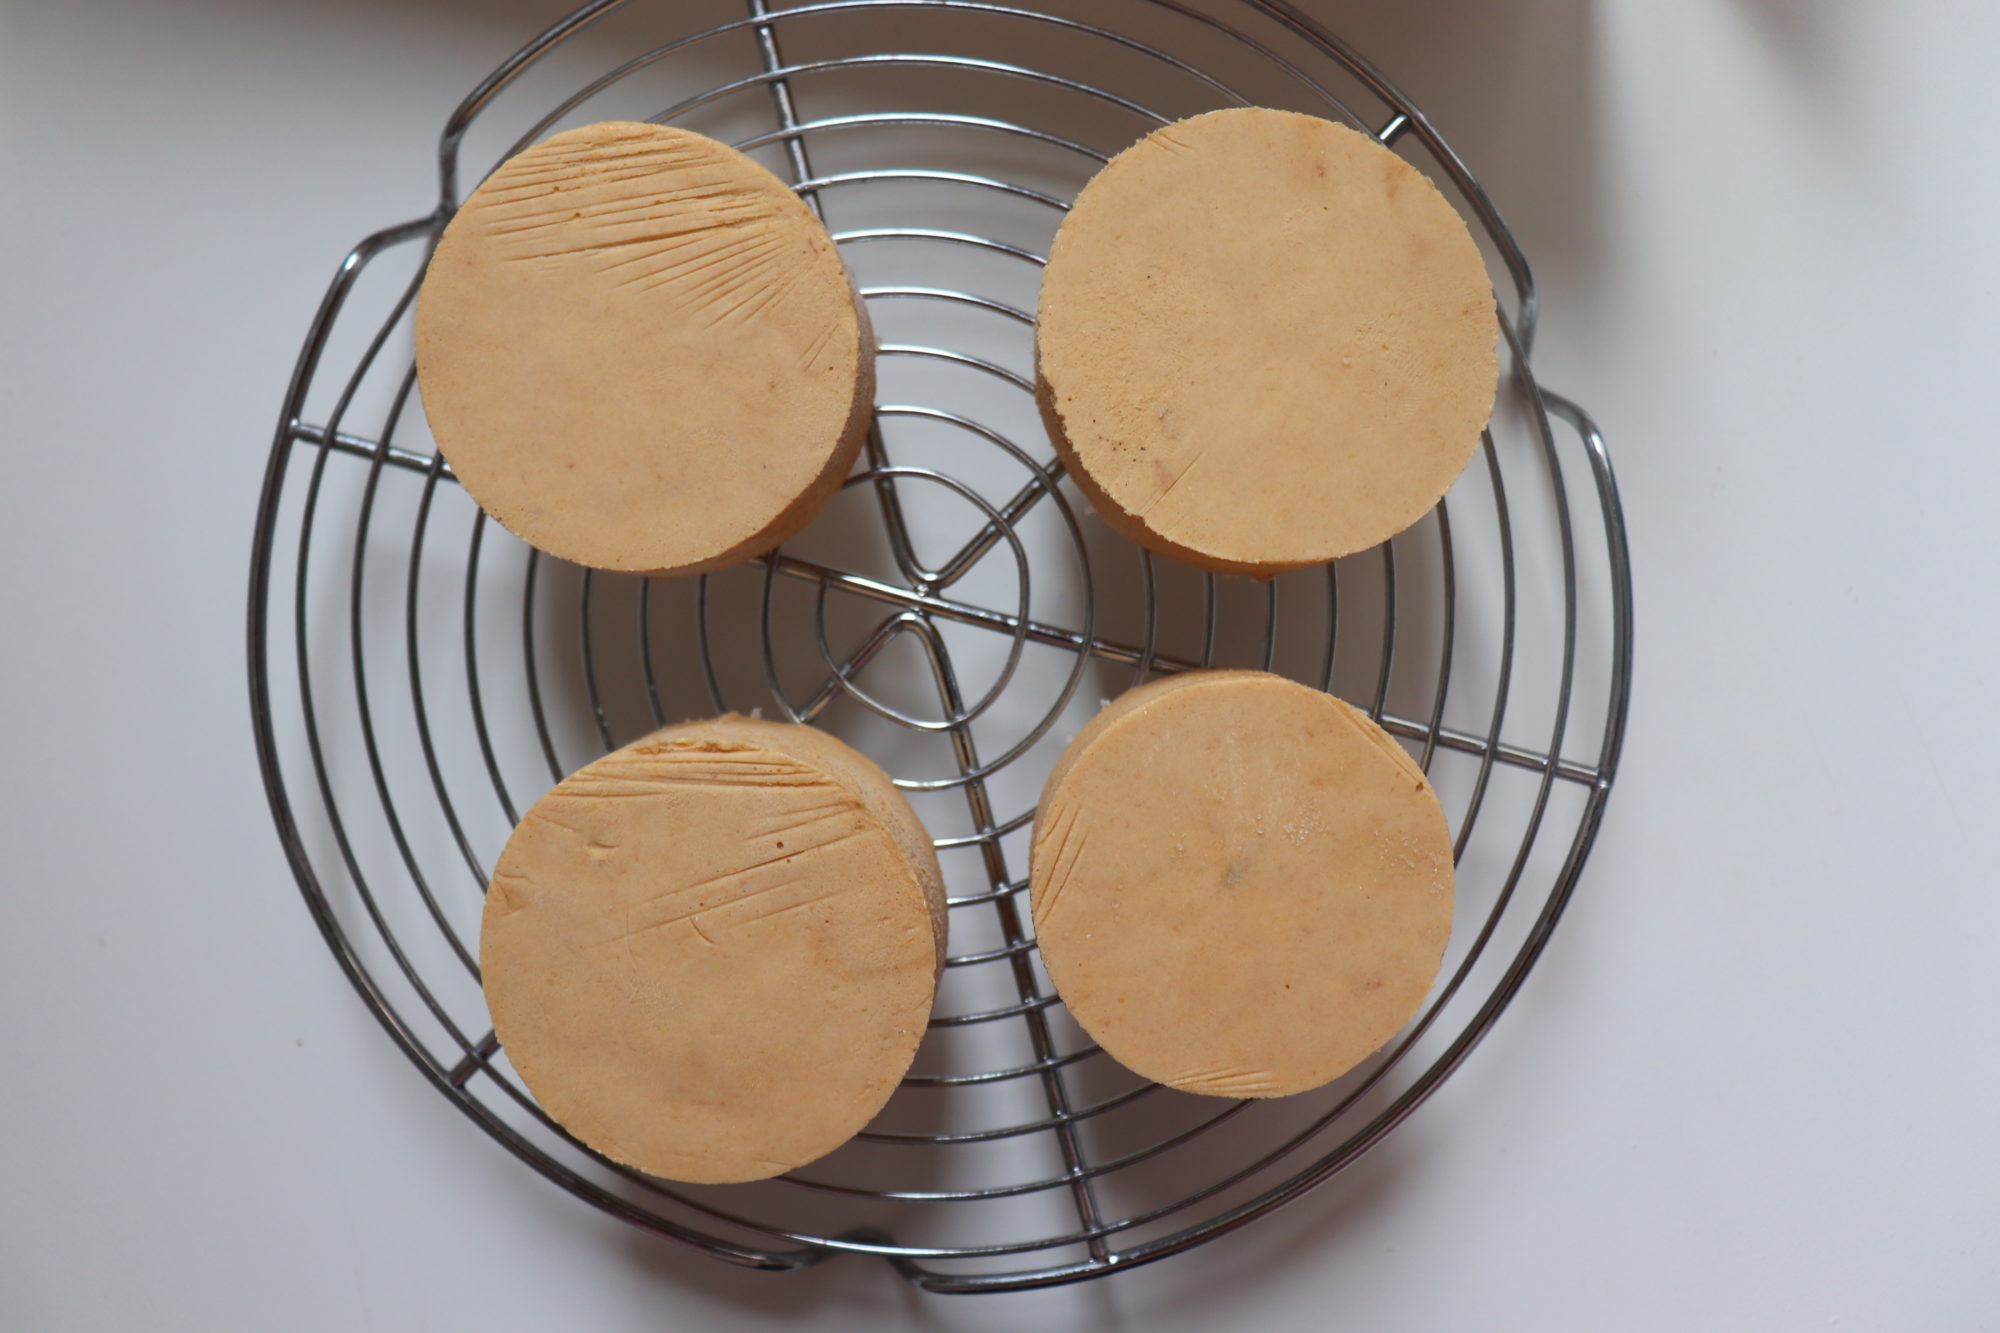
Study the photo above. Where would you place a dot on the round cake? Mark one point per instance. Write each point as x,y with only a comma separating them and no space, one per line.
640,351
1265,341
711,955
1241,886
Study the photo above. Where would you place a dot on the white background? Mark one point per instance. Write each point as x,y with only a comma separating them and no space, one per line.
1752,1085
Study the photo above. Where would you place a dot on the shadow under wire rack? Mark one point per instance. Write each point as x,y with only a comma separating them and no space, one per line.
419,677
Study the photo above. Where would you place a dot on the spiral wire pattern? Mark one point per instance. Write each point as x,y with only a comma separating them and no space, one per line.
418,676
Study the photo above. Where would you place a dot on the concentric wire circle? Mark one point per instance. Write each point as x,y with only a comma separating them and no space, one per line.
418,677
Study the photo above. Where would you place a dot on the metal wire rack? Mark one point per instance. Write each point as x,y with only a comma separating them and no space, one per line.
418,677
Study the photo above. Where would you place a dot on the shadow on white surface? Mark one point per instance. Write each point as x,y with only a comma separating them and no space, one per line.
1513,88
1533,64
1798,37
1510,91
857,1291
1780,947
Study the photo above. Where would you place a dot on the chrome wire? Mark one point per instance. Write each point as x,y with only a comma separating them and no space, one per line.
318,827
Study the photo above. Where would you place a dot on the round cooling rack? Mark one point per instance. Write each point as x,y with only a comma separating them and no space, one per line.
419,677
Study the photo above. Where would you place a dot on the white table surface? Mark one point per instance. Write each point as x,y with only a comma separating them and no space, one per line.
1752,1084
